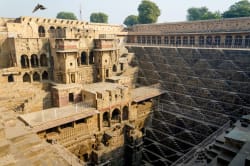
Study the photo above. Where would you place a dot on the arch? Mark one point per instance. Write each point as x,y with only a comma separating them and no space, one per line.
238,40
10,78
24,61
41,31
247,41
59,28
83,58
34,60
36,77
52,31
43,60
26,78
105,119
114,69
209,40
45,75
201,40
59,31
52,28
217,40
91,58
125,113
116,115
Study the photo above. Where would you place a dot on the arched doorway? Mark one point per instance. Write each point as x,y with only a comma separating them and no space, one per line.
116,115
34,60
83,58
114,69
36,77
45,75
51,29
59,32
26,78
91,58
105,119
43,60
125,113
24,61
10,78
41,31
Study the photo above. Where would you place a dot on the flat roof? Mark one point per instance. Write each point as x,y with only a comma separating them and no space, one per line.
49,118
105,49
144,93
246,117
102,86
62,51
66,86
239,134
123,60
117,78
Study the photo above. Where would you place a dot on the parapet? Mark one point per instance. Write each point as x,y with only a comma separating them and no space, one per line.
204,26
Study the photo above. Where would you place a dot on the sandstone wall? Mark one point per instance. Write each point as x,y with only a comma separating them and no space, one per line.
220,25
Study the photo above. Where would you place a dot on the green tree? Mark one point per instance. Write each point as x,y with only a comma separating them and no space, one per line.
131,20
148,12
66,15
201,13
99,17
239,9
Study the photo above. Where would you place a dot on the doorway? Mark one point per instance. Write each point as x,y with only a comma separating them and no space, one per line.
71,97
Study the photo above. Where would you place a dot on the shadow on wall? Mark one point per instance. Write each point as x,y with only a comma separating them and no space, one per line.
5,54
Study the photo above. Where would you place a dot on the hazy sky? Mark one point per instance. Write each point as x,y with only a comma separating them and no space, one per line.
117,10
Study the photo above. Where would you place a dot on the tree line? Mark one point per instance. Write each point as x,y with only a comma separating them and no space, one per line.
148,12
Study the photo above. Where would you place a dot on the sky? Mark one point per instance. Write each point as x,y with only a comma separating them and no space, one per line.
117,10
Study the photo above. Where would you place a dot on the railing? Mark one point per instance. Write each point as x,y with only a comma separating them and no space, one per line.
190,45
204,143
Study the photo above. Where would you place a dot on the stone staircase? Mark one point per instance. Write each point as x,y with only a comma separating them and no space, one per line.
18,144
24,97
132,69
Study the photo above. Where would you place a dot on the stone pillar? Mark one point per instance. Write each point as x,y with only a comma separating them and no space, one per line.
243,40
87,58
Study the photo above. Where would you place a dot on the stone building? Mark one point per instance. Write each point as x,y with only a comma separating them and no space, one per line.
100,94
